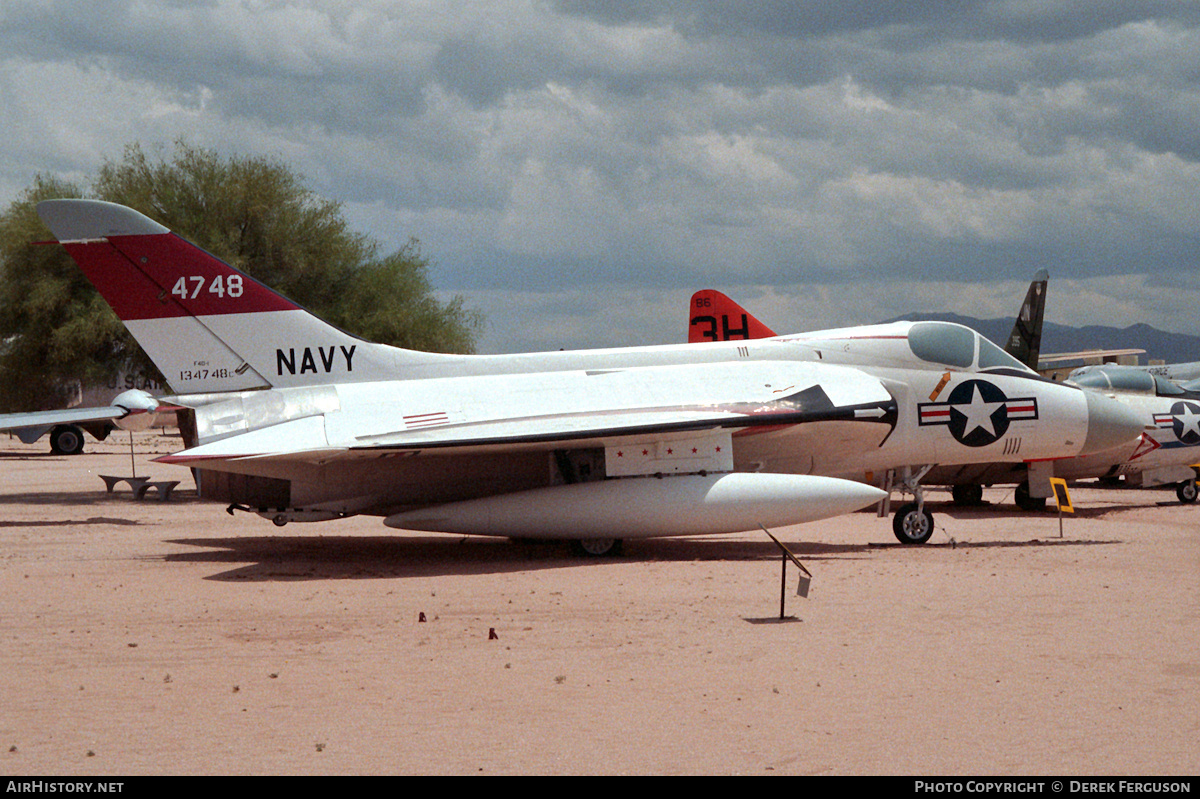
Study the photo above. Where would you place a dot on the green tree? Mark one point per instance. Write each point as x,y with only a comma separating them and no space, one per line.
254,213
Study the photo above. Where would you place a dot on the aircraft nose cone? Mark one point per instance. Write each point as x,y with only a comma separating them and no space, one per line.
1110,423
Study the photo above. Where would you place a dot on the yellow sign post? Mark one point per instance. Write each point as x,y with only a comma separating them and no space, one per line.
1062,498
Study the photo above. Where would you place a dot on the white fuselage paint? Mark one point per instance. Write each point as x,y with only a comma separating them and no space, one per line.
552,392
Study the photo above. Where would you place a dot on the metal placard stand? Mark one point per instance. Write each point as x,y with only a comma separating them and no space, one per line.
805,575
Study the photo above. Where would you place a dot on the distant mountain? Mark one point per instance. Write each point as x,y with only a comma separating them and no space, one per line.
1167,347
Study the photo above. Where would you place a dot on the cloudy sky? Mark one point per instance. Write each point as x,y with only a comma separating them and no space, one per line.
576,169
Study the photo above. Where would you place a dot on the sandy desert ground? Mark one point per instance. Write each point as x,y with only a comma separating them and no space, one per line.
171,638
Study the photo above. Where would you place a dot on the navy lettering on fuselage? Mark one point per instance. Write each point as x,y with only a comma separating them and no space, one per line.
324,360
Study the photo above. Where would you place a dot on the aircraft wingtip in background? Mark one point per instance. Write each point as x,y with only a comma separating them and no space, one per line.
130,410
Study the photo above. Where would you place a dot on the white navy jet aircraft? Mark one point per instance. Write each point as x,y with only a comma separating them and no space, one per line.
299,421
977,426
1164,454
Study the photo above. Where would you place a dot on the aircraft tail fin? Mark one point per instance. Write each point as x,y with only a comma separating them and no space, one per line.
1025,341
207,326
715,317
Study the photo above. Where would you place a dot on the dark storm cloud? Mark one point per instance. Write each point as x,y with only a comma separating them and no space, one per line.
665,144
1047,20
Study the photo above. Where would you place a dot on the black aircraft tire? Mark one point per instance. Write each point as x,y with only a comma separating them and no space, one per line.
66,439
1026,502
1186,491
597,547
912,526
967,494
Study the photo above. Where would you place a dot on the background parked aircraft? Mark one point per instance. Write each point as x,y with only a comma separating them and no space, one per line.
1167,452
130,409
1179,372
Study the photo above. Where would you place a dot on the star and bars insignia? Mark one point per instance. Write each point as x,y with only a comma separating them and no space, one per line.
977,412
1183,420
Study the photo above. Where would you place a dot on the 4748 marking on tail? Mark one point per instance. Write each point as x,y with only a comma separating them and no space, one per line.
220,285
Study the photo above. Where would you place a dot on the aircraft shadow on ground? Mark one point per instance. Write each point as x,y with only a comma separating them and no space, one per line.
279,558
104,520
1000,510
119,497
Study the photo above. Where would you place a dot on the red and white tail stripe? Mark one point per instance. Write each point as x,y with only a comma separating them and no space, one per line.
207,326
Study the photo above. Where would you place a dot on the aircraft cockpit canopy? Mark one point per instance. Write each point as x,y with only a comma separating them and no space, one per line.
954,345
1134,381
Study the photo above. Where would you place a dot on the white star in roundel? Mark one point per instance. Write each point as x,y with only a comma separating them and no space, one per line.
978,413
1190,421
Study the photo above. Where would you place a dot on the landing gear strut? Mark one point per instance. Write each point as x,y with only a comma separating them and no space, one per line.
912,524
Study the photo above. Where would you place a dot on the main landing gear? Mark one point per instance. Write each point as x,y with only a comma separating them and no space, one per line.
66,439
1186,491
1025,501
597,547
911,524
968,494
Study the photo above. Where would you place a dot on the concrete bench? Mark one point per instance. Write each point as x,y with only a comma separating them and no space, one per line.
164,488
141,485
110,482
